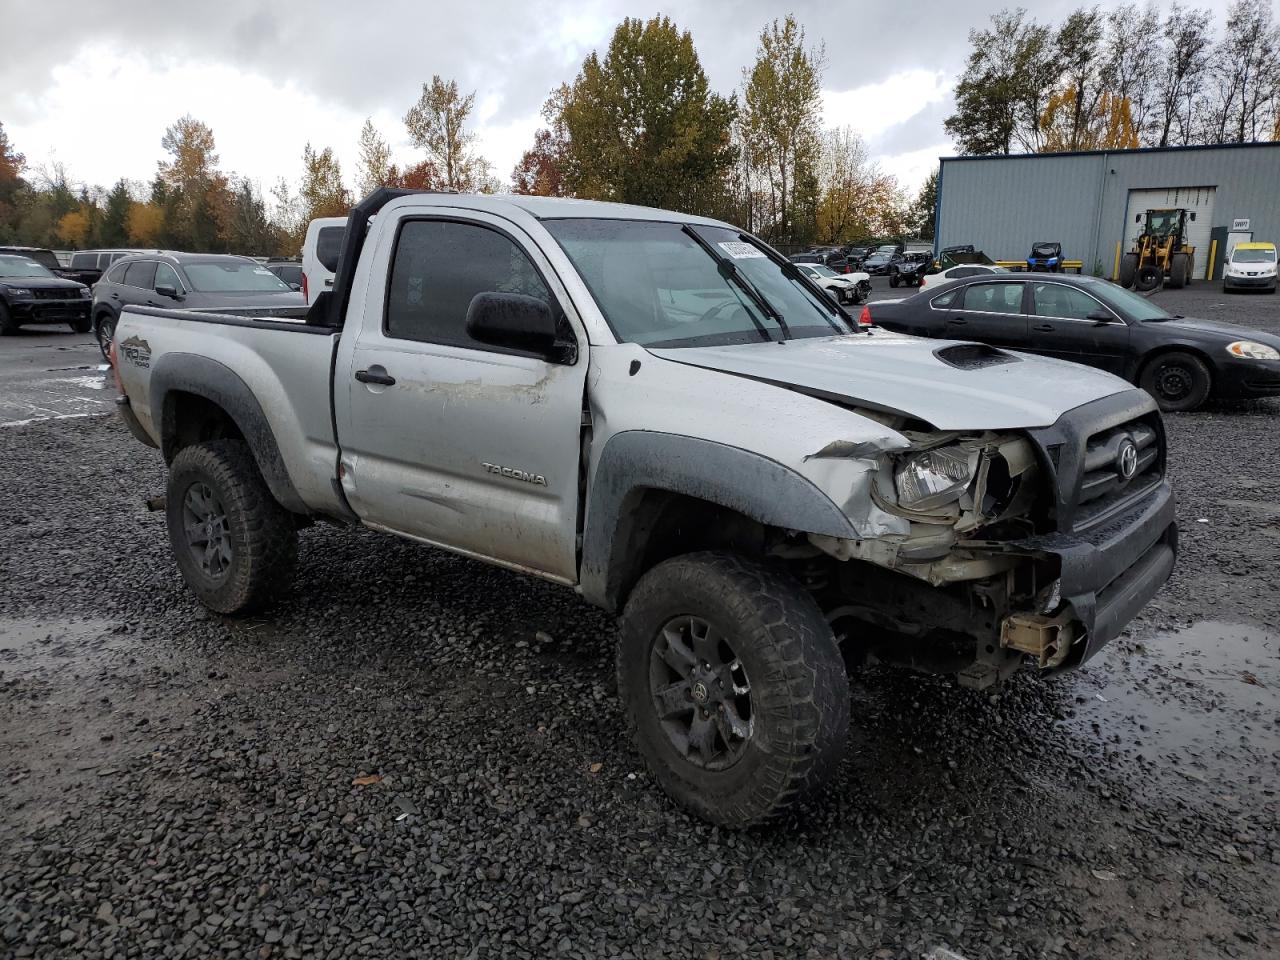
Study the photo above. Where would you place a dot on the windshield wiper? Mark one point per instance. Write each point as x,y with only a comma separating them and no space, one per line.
730,272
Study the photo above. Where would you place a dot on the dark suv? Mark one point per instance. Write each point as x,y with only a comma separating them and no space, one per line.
30,293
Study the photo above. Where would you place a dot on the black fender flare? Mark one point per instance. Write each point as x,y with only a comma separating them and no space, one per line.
220,385
636,462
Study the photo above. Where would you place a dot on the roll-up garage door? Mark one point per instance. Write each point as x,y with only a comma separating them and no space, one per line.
1199,199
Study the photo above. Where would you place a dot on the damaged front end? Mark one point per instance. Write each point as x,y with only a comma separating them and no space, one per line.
973,575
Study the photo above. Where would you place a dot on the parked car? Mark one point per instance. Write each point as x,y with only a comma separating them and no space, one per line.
879,263
30,293
909,268
1179,361
288,270
828,258
1251,266
92,264
197,281
49,260
320,250
855,255
960,272
844,287
660,412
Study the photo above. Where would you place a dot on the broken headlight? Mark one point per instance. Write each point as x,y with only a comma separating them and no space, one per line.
933,478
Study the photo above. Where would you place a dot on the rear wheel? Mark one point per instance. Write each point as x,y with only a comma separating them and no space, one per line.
1128,269
1179,381
235,545
1149,277
1179,270
893,279
733,687
106,333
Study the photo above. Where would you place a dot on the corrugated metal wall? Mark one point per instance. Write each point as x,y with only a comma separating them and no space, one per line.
1004,204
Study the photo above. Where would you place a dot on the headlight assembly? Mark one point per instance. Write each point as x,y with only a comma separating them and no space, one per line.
1252,351
18,291
933,478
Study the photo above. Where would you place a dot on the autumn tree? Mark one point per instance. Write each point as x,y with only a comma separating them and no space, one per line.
144,224
423,175
1246,75
921,215
11,185
641,124
249,230
856,198
782,111
1108,125
437,123
321,193
113,229
373,164
541,169
73,228
1132,52
198,194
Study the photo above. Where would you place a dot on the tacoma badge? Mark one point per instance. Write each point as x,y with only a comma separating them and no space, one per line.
514,474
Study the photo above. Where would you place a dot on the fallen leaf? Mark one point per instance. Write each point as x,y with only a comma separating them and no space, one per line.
1104,875
1248,677
597,767
366,780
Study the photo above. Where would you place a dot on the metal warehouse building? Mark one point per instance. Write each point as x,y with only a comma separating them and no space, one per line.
1088,201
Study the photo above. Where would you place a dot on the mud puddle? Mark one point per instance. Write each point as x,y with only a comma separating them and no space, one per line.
35,645
1203,702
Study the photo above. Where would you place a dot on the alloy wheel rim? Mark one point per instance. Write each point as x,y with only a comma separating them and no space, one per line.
700,693
208,534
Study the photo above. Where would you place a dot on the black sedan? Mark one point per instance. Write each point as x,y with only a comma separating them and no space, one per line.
1180,362
29,293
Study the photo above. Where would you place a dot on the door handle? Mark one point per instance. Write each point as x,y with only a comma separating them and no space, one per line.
369,376
1043,327
115,296
958,321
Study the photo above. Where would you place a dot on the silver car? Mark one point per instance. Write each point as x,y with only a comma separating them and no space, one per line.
217,283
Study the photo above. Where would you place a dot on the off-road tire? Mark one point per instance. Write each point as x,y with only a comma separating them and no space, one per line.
263,534
1179,268
1190,369
1128,269
1148,278
7,327
893,279
82,326
799,689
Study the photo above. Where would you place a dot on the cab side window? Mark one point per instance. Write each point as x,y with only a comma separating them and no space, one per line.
438,268
166,276
116,273
1057,300
141,274
994,297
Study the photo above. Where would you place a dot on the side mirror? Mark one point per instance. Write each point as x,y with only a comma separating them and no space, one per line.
295,287
170,292
512,320
1137,218
1101,316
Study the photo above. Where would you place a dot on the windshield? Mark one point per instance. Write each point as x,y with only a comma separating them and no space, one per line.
824,271
888,248
658,286
233,276
1135,305
1256,255
22,267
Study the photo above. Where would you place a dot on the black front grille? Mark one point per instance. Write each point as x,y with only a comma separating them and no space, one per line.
56,294
1103,484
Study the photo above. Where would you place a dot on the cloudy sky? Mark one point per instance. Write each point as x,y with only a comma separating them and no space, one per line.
93,85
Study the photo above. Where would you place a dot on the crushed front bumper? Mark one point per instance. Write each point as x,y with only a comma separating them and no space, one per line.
1108,573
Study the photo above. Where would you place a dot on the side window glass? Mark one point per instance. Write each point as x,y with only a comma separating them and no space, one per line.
141,274
116,273
440,266
994,297
166,276
1056,300
84,261
944,301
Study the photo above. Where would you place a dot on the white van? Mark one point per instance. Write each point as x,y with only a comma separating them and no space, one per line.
320,251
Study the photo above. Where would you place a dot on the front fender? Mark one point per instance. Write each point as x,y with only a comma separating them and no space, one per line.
638,461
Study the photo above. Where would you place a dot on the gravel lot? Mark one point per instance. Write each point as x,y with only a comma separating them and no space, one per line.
418,755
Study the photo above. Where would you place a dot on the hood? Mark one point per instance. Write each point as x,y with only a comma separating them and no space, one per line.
1207,330
40,283
903,374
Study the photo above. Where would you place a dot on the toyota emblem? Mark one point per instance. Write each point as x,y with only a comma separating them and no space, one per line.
1127,459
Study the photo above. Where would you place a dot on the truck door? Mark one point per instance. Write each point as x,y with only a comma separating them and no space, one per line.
1068,323
989,312
451,441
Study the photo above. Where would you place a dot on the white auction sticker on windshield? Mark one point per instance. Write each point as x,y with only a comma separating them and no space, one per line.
740,250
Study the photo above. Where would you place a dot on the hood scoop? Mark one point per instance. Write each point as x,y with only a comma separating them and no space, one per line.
973,356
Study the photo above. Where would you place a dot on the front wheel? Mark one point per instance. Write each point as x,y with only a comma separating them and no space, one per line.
235,545
1179,381
893,279
106,333
733,687
1128,269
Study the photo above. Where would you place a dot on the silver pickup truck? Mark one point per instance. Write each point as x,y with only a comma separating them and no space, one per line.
660,412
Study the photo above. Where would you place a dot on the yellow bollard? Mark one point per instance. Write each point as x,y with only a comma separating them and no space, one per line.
1115,270
1213,255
